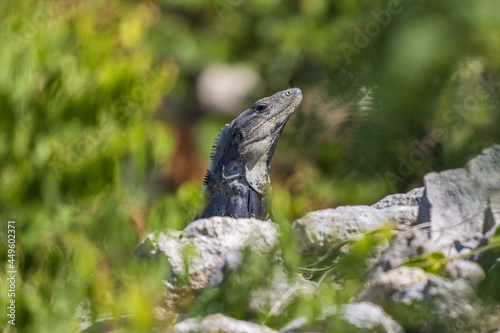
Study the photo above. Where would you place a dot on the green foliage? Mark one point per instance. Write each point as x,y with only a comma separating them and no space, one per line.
434,262
94,96
77,92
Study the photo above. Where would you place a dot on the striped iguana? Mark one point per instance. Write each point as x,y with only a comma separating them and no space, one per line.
237,183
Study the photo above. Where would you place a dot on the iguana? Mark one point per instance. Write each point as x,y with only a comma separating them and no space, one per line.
237,183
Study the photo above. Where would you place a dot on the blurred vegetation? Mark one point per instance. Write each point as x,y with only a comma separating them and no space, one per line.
103,138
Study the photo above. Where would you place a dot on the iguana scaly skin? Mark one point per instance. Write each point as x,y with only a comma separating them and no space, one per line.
237,183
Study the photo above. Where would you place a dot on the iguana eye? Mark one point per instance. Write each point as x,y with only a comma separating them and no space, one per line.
288,93
261,107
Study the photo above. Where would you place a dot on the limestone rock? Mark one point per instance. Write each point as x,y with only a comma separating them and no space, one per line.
219,323
189,325
463,205
406,244
402,280
353,317
204,250
281,293
465,269
410,199
320,229
369,317
426,302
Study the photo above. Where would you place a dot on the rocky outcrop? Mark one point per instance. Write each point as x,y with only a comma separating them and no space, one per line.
200,255
352,317
459,208
463,205
421,280
369,317
455,212
282,291
426,302
411,199
405,245
465,270
320,230
219,323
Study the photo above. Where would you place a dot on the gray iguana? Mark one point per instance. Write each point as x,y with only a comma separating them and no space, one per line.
237,183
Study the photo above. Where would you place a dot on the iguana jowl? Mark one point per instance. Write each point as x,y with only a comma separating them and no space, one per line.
237,183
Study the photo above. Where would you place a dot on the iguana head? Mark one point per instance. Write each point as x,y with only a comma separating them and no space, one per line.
247,144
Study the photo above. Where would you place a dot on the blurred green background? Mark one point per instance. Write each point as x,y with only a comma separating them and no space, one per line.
109,110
